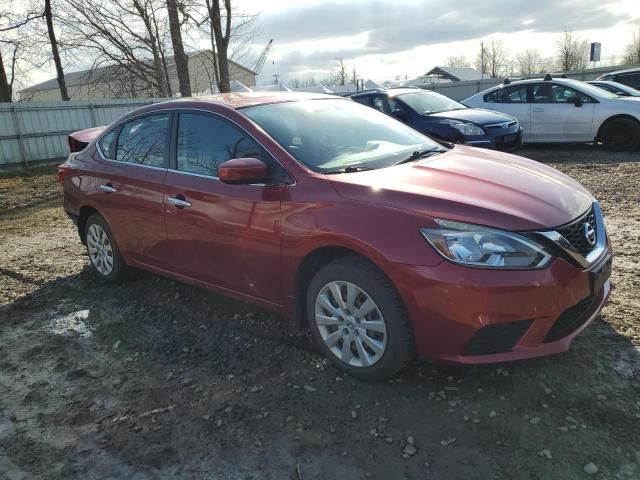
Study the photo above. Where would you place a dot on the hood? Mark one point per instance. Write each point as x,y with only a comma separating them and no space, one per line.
472,185
476,115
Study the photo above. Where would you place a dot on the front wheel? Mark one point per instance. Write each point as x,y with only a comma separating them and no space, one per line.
358,320
621,135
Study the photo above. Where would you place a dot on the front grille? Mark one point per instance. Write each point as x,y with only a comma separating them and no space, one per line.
573,318
497,338
574,233
501,125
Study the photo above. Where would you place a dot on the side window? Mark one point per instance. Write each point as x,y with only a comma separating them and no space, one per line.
554,93
631,79
395,105
514,94
378,102
204,142
144,141
106,144
363,100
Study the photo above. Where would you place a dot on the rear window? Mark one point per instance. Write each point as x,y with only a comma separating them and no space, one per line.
514,94
106,144
630,79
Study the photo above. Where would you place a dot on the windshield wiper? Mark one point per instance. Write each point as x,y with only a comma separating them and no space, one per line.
349,169
420,154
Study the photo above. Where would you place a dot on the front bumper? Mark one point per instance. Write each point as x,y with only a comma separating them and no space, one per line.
507,141
518,314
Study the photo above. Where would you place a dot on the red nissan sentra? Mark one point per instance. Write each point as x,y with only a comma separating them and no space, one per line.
384,242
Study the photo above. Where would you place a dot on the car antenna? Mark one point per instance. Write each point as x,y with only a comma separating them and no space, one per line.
506,81
547,77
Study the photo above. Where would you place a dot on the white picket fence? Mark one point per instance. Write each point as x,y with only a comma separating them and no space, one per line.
36,132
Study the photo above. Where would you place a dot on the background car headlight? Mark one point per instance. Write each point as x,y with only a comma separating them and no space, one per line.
478,246
465,128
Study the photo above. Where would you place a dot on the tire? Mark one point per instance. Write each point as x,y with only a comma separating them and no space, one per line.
373,354
621,135
103,252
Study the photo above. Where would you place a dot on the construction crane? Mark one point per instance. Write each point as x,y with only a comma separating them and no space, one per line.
262,58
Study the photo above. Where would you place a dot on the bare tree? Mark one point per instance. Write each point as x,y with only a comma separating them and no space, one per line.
529,62
54,51
573,52
230,33
10,44
342,71
181,59
130,37
492,58
459,61
632,50
354,75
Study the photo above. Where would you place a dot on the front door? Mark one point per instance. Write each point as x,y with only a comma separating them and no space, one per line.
221,234
555,119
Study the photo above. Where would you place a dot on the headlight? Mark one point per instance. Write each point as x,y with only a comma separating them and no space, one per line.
478,246
465,128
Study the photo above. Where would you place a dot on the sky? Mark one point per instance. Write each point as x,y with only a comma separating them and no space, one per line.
400,39
404,38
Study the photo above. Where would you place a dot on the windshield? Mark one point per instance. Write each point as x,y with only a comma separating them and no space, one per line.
595,91
429,102
333,135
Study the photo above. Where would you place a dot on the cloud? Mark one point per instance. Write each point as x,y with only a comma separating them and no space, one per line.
390,27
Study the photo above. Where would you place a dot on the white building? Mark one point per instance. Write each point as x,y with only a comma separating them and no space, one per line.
105,82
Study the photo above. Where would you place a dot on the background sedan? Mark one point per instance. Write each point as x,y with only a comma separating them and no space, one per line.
444,118
559,110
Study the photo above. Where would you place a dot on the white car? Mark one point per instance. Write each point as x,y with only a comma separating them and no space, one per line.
563,110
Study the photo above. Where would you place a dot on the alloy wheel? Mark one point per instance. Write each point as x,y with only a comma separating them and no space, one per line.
350,324
100,249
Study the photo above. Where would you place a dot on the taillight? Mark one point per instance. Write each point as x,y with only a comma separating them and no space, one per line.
64,169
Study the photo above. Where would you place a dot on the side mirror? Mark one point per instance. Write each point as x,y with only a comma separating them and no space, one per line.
399,114
577,101
243,171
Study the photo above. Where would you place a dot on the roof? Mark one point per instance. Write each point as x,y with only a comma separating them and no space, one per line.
618,72
237,100
459,74
85,76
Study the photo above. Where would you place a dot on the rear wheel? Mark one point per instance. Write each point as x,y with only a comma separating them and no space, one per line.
621,134
103,252
358,320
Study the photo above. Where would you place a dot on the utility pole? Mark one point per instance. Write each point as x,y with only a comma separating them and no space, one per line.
482,59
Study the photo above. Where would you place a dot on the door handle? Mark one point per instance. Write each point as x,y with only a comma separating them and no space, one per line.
107,188
538,110
178,202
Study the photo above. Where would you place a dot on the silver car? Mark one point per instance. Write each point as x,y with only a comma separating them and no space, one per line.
554,110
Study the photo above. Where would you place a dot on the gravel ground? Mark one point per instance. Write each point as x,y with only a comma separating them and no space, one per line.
151,379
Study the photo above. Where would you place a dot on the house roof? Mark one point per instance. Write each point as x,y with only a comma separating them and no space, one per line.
85,76
459,74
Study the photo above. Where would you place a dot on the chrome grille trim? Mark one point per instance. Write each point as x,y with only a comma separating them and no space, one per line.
600,247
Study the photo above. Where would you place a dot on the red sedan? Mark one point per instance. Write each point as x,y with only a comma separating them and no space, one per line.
384,242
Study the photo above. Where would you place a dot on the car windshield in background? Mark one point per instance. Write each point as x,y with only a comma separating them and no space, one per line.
595,91
429,102
336,135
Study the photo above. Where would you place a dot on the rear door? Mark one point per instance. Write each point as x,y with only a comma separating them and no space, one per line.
127,185
221,234
513,100
554,119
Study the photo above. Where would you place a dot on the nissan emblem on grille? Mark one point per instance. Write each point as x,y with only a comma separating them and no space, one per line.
589,234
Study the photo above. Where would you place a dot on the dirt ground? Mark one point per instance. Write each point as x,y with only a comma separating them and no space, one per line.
151,379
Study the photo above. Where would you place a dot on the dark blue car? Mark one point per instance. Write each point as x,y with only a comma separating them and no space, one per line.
444,118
